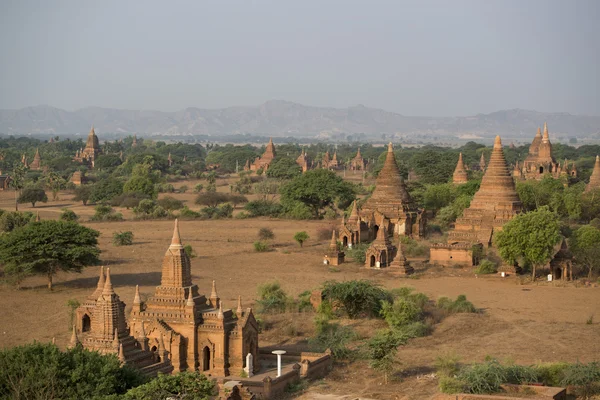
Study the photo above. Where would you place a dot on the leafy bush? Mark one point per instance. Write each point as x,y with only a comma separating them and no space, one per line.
301,237
68,215
357,252
123,238
11,220
149,209
184,385
401,312
32,195
104,212
198,188
483,378
451,385
165,188
333,337
261,246
412,248
486,267
460,305
183,188
586,378
128,200
447,365
186,213
212,199
39,370
217,212
189,250
265,234
170,203
272,298
355,298
263,208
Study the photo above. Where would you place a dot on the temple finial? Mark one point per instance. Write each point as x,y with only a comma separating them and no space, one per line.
176,241
498,142
116,338
121,353
74,339
142,331
220,314
136,299
239,310
539,132
108,288
101,279
190,299
390,147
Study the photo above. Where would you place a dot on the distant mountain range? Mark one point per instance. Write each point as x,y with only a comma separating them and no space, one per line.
282,119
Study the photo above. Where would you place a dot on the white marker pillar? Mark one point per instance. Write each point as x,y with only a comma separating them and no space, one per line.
279,353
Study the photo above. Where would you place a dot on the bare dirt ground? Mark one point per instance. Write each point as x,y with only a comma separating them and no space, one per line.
523,323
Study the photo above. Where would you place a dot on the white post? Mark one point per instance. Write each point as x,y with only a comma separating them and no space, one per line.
249,365
279,353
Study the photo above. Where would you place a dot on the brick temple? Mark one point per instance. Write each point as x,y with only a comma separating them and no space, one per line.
494,204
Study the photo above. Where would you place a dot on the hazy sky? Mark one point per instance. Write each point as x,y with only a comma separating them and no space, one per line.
438,58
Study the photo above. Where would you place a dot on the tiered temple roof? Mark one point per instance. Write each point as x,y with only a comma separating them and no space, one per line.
595,177
357,163
495,203
460,173
390,197
36,164
265,160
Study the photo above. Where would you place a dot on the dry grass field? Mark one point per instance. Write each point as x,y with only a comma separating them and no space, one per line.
524,323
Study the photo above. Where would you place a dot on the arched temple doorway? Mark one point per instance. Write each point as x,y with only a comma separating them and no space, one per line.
372,261
205,358
86,324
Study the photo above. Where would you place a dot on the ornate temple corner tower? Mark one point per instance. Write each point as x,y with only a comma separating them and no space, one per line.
303,161
334,255
391,200
595,177
380,252
266,159
460,173
494,204
101,326
91,151
540,161
353,229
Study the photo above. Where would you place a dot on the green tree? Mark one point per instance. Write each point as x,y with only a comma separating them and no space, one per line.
83,194
284,168
301,237
107,161
15,219
141,181
382,350
184,385
212,199
106,189
55,182
32,195
317,189
42,371
49,246
529,237
585,245
17,181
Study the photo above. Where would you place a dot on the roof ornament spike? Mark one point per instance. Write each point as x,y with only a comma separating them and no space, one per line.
390,147
239,310
190,299
116,338
101,279
136,299
176,240
220,314
108,288
74,339
497,143
121,353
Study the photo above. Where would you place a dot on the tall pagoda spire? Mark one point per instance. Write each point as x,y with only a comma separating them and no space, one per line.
482,162
74,342
595,177
354,217
176,267
390,195
460,174
100,286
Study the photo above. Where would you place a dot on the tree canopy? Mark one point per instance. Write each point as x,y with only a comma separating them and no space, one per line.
318,189
47,247
42,371
284,168
530,238
33,195
585,245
